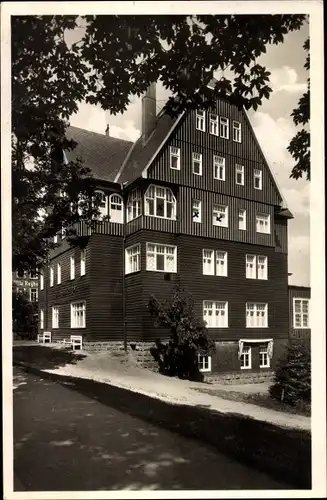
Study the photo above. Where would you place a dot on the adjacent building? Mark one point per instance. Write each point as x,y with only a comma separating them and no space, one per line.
192,203
27,284
299,313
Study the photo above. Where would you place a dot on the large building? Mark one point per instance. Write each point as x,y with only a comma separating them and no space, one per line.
192,203
26,284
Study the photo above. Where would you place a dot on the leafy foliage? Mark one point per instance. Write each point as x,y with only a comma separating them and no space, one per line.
24,315
116,57
292,384
299,146
188,336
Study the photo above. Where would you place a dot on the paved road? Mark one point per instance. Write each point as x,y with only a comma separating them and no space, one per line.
66,441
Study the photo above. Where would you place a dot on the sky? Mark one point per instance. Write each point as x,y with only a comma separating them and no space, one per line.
273,127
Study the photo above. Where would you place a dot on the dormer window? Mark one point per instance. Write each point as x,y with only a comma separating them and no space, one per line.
200,120
214,124
116,208
100,200
160,202
175,158
197,163
224,132
133,205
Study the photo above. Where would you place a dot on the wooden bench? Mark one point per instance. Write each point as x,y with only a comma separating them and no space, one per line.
75,342
44,338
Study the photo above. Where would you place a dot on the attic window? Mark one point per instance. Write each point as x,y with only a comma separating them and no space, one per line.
175,158
200,120
257,179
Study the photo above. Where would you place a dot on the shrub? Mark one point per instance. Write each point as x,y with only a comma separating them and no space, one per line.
24,316
292,382
188,337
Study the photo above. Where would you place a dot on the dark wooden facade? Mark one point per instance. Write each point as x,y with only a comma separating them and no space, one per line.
116,303
298,334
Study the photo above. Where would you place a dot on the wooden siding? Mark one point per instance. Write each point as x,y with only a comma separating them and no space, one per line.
281,235
246,153
236,288
300,293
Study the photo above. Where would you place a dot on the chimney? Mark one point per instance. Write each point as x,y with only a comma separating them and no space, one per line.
149,113
107,130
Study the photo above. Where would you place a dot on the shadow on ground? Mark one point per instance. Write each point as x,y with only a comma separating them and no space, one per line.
284,454
45,357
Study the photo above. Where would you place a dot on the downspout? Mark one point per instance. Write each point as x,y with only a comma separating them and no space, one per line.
124,281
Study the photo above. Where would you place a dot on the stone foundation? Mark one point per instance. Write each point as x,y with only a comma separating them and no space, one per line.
239,378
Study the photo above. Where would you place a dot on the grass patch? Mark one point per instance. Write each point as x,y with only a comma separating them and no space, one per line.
263,400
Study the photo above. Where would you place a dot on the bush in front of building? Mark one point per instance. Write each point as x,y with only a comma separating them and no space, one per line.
188,336
24,316
292,381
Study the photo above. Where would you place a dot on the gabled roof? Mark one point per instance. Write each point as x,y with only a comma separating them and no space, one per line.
141,155
103,155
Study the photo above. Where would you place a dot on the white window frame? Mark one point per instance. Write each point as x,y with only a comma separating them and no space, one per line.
301,327
202,358
41,319
103,205
257,174
83,262
200,120
116,214
208,262
133,257
219,167
72,267
214,124
239,169
256,307
41,280
264,358
237,131
196,208
58,273
155,251
221,269
55,238
253,267
175,153
214,306
197,158
224,127
265,218
51,276
78,307
36,294
55,317
262,275
246,355
153,193
242,219
218,211
134,205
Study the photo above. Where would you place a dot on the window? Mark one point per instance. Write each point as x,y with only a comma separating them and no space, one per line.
219,167
200,120
246,358
100,201
236,131
197,163
55,317
175,160
133,259
55,239
214,125
220,215
264,358
161,258
41,280
242,219
33,294
77,315
239,175
83,256
51,276
215,314
196,210
263,223
133,205
221,263
160,202
116,208
301,313
256,315
58,273
208,263
41,319
223,132
72,267
257,179
256,267
204,363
